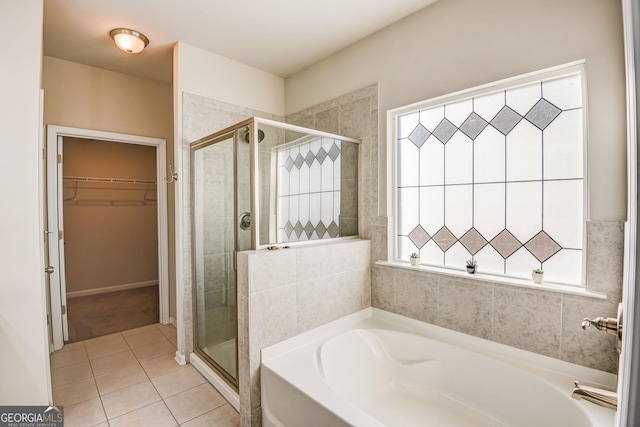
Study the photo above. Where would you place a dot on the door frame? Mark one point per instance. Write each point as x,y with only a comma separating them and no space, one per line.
54,197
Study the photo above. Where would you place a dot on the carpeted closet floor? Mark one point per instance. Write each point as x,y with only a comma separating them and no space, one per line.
103,314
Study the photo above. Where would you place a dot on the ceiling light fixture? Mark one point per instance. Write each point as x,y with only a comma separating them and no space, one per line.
130,41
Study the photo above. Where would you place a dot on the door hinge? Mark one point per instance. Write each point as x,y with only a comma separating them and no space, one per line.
59,158
60,235
64,309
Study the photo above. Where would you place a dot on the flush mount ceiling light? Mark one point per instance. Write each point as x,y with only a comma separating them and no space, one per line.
130,41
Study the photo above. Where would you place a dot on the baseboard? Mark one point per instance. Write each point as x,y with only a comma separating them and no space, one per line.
115,288
173,321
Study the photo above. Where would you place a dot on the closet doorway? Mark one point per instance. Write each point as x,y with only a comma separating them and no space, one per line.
107,199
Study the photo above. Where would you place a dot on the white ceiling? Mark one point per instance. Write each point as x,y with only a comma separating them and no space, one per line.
281,37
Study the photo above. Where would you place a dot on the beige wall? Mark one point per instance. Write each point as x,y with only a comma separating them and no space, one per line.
457,44
111,231
24,361
86,97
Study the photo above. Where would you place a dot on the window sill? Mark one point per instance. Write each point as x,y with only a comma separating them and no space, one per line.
549,287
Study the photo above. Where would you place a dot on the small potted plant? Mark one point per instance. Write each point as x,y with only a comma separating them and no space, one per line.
471,266
537,275
414,258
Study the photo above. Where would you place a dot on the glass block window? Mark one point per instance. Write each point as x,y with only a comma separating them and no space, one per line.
496,176
309,175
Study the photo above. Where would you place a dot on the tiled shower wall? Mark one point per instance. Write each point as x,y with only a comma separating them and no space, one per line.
201,117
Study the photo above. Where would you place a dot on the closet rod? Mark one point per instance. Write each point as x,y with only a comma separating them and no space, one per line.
107,180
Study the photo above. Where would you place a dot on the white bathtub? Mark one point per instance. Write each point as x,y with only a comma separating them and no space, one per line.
375,368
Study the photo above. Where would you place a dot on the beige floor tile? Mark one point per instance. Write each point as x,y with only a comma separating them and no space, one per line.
155,349
158,366
70,373
137,331
194,402
223,416
112,362
129,399
156,415
84,414
168,331
68,357
72,346
75,392
144,338
105,424
103,346
177,381
120,378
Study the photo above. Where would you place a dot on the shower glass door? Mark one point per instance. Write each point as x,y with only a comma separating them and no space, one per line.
220,192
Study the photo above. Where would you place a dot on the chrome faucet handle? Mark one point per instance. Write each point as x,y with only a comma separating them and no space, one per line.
608,324
611,325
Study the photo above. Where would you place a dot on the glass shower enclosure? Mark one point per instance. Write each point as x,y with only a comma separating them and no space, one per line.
255,184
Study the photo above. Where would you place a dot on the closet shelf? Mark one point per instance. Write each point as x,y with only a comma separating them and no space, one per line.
140,190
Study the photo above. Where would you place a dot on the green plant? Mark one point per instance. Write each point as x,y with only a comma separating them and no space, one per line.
414,255
471,263
538,271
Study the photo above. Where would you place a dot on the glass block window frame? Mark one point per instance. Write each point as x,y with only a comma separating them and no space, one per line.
308,196
496,174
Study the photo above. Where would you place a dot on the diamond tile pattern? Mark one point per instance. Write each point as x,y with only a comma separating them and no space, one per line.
542,246
473,241
333,229
542,114
334,152
419,237
473,125
505,243
487,204
506,120
289,164
419,135
328,202
444,131
321,155
444,239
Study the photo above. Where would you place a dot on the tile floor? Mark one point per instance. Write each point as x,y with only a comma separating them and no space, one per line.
131,379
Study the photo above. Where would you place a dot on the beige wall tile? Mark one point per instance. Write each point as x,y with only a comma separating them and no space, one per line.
466,307
271,269
273,316
592,348
528,320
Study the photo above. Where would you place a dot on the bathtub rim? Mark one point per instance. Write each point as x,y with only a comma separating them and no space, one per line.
522,358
